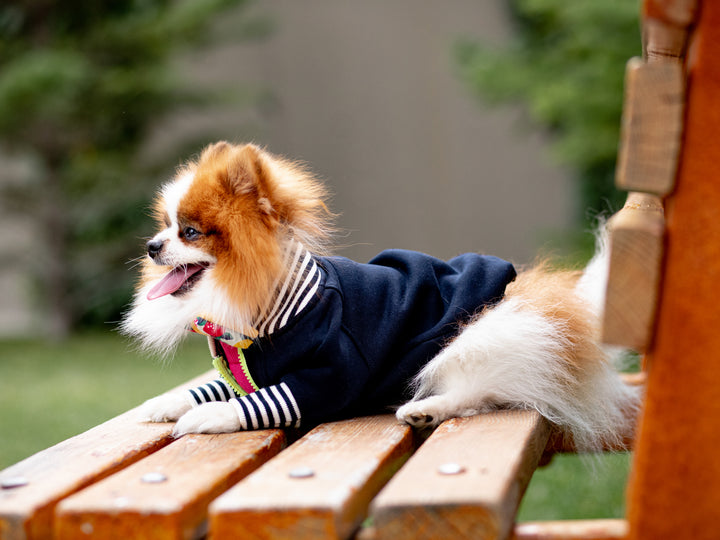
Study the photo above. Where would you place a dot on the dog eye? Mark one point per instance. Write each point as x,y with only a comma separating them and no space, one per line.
190,234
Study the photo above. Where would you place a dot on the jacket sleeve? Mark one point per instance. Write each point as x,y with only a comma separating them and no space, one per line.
270,407
217,390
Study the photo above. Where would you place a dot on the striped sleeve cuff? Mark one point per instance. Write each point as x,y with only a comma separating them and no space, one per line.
217,390
270,407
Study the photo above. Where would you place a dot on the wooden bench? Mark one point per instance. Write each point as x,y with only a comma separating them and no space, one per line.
374,478
126,479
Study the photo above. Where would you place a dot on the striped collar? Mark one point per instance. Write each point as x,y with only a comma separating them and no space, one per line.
292,296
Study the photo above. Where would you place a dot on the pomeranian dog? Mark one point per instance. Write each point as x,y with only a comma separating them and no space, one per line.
299,337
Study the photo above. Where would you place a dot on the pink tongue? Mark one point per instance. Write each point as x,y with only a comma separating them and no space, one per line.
173,280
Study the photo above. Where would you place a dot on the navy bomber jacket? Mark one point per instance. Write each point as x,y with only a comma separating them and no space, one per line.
344,339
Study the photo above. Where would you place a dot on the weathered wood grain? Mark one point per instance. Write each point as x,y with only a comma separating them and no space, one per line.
651,126
674,489
593,529
165,496
636,251
26,512
496,455
320,487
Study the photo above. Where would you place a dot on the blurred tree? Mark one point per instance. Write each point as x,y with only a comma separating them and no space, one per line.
81,83
567,68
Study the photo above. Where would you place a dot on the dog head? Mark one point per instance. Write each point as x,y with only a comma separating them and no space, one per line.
224,222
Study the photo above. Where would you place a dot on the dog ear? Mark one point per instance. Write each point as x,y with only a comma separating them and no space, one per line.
247,175
215,152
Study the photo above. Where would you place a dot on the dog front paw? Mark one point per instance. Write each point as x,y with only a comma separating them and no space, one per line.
165,408
216,417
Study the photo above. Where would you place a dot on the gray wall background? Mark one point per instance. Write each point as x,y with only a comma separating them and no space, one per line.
367,94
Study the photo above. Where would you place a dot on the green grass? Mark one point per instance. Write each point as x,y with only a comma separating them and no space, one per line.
49,392
574,487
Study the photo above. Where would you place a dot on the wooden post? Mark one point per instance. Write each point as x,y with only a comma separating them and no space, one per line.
652,122
636,236
647,166
674,488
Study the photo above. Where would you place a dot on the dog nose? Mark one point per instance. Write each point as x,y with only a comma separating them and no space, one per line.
154,247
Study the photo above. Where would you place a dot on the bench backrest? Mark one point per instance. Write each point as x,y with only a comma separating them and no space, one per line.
674,490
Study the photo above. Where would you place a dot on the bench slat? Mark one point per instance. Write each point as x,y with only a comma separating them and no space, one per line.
497,454
636,250
593,529
651,126
320,487
166,495
54,473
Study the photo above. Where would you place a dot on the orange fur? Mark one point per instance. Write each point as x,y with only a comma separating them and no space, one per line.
248,203
231,217
550,292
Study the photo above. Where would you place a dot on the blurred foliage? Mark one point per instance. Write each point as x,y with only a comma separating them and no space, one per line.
81,84
567,68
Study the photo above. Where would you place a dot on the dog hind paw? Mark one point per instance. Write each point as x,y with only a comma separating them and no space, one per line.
432,411
420,414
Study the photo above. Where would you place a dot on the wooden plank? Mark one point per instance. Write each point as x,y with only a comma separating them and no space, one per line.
54,473
674,487
320,487
634,379
165,496
679,13
495,455
651,126
636,251
662,41
591,529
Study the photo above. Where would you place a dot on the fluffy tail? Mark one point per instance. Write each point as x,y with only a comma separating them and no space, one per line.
605,414
592,284
537,349
592,287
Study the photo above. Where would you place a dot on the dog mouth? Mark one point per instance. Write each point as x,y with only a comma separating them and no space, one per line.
178,281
